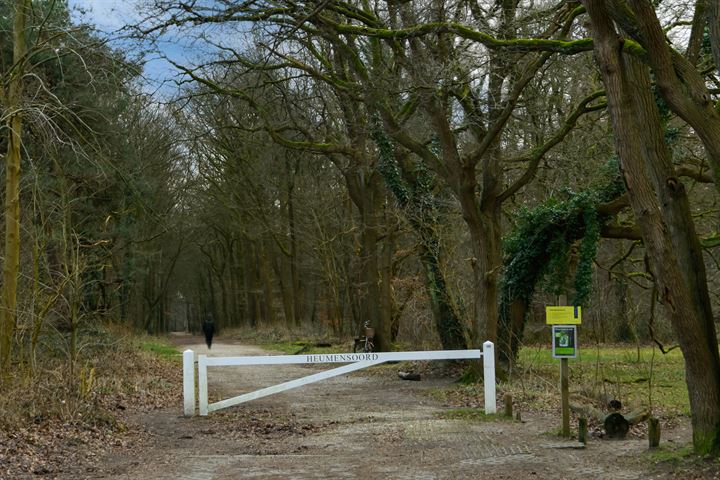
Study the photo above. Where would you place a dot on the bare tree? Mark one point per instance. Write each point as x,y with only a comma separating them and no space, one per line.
11,92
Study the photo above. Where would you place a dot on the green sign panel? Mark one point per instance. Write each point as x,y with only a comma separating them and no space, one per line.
564,341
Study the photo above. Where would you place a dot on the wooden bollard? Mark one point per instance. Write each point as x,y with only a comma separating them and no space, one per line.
507,400
582,430
654,432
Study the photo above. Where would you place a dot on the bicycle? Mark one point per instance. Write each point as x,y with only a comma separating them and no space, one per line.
367,341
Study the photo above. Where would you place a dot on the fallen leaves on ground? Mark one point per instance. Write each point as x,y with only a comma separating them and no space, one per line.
51,443
262,423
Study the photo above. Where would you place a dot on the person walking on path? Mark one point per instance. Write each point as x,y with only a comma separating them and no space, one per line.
208,328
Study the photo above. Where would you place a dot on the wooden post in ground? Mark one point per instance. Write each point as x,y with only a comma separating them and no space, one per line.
654,432
582,429
564,385
565,396
507,400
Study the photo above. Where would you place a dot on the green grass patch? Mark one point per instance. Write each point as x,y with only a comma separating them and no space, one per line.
664,454
554,432
303,347
159,348
290,340
682,462
472,414
636,376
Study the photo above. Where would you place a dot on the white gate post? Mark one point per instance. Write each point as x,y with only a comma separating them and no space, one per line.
355,361
489,377
189,382
202,385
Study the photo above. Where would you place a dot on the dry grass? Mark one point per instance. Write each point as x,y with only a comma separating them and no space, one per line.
62,418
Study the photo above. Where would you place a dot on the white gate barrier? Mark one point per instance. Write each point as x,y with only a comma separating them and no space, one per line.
355,361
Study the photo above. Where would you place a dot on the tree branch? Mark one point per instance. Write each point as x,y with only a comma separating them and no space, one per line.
536,155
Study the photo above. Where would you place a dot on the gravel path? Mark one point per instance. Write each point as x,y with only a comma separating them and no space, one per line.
363,425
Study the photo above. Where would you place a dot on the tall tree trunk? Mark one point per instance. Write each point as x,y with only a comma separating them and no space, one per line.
236,317
297,290
267,287
284,275
681,85
371,307
223,318
248,284
8,308
386,289
485,233
489,261
447,321
420,208
367,194
713,19
662,211
626,331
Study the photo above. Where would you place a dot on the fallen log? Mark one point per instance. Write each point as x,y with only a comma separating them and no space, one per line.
615,424
569,446
638,416
631,381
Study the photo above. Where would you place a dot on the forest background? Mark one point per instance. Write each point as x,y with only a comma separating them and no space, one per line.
441,170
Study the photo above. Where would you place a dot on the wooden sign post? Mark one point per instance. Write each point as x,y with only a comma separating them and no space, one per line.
564,345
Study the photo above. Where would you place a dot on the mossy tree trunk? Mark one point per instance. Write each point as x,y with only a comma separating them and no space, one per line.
298,293
412,187
13,106
679,82
662,211
366,192
444,309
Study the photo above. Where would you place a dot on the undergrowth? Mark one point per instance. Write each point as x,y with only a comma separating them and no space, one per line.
290,340
161,349
638,377
61,415
115,369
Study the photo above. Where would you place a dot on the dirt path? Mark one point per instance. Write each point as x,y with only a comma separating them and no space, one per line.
359,426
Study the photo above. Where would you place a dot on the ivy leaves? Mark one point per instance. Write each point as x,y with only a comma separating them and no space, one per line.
537,253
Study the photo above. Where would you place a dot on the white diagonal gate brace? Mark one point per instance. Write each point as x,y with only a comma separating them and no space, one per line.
355,361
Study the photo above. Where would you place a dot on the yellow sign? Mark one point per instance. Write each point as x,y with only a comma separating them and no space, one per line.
563,315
